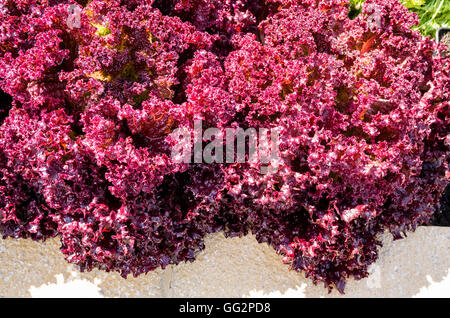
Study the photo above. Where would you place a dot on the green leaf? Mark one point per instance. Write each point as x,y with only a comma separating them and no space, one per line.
101,30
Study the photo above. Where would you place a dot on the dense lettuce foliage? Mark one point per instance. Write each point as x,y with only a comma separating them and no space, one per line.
433,14
85,146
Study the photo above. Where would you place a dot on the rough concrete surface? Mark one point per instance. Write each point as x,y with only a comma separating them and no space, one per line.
418,266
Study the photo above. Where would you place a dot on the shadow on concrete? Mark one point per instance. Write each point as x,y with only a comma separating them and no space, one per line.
417,265
36,269
238,267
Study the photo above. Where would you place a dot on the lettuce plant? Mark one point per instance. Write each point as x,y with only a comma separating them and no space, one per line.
433,14
362,108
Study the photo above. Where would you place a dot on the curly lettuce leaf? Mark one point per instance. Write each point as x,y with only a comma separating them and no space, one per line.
433,14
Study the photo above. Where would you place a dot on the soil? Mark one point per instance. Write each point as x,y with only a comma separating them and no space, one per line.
442,215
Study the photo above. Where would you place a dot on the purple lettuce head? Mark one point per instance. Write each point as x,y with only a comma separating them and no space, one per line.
361,107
